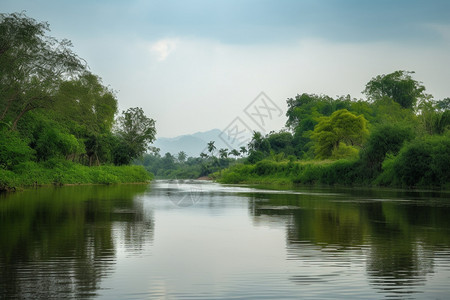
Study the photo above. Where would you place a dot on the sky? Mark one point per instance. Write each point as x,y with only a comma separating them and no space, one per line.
198,65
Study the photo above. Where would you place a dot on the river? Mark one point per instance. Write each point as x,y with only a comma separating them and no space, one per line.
203,240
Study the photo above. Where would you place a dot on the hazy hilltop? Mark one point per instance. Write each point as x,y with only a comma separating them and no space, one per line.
192,144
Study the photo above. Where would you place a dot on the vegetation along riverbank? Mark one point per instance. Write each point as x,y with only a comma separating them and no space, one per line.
59,124
398,137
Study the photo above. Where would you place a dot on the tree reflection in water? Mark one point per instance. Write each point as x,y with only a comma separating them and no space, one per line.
63,241
397,240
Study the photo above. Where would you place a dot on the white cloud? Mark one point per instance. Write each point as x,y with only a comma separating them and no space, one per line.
163,48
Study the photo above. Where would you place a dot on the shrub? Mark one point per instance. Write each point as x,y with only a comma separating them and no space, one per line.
422,163
13,150
384,139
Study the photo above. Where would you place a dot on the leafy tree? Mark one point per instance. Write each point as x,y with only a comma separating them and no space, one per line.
399,86
304,112
304,108
434,120
443,104
341,126
383,140
386,110
168,161
32,65
136,132
87,109
281,142
86,104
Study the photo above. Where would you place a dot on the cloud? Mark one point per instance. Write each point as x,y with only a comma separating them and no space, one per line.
163,48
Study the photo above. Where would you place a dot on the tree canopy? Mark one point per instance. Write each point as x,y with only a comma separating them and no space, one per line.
341,126
32,65
399,86
52,107
136,132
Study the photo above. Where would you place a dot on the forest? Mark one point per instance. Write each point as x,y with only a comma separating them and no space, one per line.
59,123
398,137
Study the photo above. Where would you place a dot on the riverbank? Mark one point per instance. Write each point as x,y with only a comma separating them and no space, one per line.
61,172
326,172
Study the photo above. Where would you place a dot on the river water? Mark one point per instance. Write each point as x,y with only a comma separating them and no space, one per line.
203,240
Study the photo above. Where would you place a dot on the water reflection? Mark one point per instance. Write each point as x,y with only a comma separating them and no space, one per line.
224,242
61,242
397,241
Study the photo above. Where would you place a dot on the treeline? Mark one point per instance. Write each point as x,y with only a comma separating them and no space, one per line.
55,114
181,166
398,137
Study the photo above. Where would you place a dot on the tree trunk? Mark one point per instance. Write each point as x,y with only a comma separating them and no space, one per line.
14,125
8,105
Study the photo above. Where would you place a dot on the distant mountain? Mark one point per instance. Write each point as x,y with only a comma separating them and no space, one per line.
192,144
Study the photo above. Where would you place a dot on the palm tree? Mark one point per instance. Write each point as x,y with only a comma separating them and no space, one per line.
243,150
211,147
235,153
223,153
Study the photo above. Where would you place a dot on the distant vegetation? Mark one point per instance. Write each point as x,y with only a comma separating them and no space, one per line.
57,119
181,166
399,137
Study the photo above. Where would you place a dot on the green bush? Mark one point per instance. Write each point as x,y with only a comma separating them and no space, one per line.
7,180
13,149
422,163
340,172
384,139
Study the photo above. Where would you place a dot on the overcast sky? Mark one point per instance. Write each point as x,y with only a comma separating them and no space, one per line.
197,65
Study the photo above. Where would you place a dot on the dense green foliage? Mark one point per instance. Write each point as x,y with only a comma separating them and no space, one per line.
183,167
399,86
53,109
61,171
400,137
341,127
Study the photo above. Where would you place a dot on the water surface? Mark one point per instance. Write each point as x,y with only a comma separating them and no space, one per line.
202,240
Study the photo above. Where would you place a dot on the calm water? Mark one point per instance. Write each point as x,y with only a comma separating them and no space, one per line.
203,240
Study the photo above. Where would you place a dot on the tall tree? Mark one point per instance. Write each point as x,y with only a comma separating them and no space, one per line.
399,86
341,126
136,132
211,147
32,65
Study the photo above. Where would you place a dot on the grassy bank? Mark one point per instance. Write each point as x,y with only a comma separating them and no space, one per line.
340,172
60,172
286,172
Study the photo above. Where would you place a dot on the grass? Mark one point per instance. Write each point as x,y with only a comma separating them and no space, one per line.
61,172
342,172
